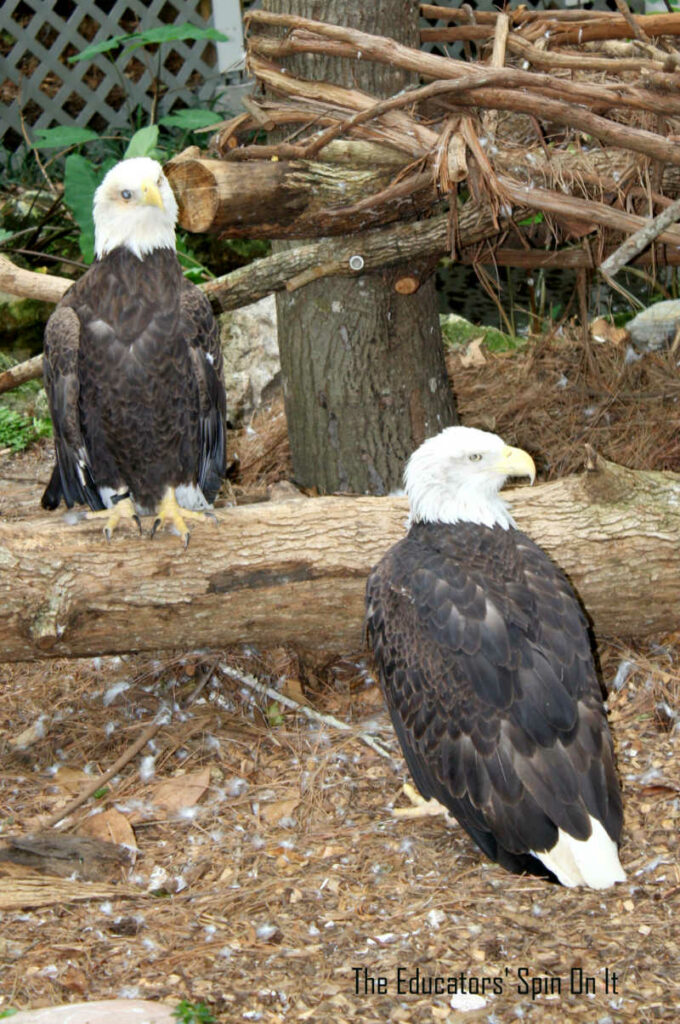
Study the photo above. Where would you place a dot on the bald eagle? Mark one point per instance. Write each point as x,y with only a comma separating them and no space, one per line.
485,663
133,368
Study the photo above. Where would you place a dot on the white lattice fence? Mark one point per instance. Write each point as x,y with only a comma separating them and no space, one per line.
38,36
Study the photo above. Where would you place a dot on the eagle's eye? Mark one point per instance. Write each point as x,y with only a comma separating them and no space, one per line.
126,193
475,457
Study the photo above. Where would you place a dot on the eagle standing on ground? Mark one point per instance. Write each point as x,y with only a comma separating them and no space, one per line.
485,663
133,368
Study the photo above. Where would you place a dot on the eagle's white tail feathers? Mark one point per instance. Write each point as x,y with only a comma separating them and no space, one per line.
188,496
191,496
593,862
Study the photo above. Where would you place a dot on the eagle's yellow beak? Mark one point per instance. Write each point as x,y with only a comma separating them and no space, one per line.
516,462
150,194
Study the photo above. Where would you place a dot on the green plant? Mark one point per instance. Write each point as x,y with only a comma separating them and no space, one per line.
19,430
82,174
193,1013
151,37
82,178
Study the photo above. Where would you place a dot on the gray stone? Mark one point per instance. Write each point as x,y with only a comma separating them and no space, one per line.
104,1011
252,369
655,326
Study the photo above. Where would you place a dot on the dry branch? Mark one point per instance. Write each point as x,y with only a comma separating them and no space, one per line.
31,369
640,240
18,281
295,572
386,247
636,120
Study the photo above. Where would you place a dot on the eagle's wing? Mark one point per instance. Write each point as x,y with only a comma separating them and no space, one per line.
202,333
72,475
494,697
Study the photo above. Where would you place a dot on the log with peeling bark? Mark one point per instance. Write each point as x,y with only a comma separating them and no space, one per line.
294,572
291,198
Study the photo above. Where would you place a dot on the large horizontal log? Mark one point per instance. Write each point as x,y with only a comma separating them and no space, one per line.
295,572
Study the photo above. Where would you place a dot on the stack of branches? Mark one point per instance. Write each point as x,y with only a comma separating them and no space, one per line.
558,147
557,144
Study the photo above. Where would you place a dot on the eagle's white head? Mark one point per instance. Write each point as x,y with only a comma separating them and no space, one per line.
134,206
456,476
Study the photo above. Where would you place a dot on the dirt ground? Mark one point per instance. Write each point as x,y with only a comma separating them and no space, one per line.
263,872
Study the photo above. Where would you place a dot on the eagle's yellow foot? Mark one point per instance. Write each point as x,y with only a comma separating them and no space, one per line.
420,808
170,512
123,509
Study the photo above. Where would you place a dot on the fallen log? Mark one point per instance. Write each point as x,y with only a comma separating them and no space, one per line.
294,572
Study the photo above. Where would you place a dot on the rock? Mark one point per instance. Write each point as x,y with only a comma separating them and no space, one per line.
22,324
104,1011
252,369
655,326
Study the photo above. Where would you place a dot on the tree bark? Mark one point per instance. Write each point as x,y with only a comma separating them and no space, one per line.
363,371
295,572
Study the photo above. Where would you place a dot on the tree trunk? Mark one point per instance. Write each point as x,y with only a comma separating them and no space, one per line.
363,369
295,572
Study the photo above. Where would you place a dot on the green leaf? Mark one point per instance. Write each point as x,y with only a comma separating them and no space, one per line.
162,34
533,218
190,119
56,138
193,1013
101,47
80,183
175,33
142,143
4,235
274,716
18,431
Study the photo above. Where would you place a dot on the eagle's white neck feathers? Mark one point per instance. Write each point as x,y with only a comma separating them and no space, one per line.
134,207
456,476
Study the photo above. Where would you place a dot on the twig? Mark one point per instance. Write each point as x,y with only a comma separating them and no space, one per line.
640,240
314,716
24,132
97,783
334,40
634,25
11,378
581,209
500,40
161,719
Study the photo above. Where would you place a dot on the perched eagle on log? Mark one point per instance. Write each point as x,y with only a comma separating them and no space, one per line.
133,368
485,662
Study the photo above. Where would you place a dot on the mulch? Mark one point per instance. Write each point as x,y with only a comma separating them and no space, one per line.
264,872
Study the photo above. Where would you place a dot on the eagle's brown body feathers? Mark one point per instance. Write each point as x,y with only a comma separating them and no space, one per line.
484,658
133,372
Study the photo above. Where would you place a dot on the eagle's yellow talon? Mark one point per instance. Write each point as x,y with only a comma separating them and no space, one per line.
123,509
170,512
